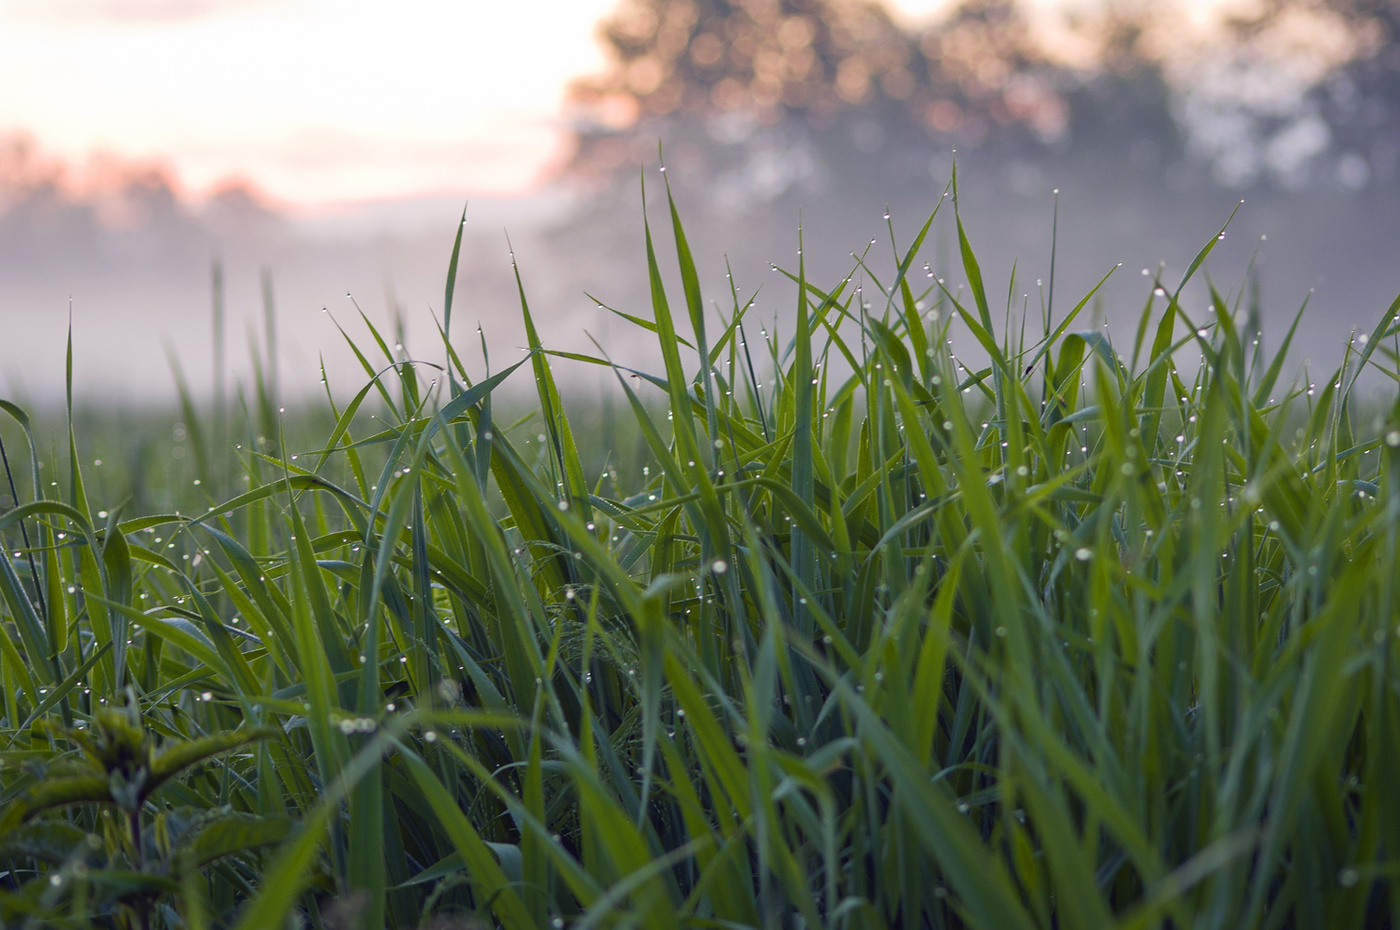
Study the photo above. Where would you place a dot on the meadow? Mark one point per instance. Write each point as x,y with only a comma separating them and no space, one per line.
829,627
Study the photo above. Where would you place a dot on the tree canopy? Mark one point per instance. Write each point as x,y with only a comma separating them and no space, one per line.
1268,92
821,59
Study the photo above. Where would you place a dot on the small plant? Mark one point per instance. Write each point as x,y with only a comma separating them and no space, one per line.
131,859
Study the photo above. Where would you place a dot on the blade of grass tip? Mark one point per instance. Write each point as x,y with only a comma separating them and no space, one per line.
352,455
344,419
454,361
1204,253
970,266
1270,379
682,413
456,370
451,288
904,263
1065,324
803,481
384,349
752,384
1254,320
485,430
914,326
690,283
1373,341
647,325
220,361
270,331
479,393
1010,302
370,373
723,348
1156,388
602,361
556,421
1140,334
1232,350
1054,245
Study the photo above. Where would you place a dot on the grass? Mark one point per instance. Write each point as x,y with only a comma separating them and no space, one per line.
1081,635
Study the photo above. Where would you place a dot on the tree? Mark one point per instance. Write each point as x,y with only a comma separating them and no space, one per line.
977,76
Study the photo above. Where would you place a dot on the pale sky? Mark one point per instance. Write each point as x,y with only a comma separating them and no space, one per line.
314,101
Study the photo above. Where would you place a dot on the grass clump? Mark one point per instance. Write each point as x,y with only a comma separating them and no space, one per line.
1078,636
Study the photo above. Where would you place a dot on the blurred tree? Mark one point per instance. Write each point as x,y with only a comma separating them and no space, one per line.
824,64
1281,92
1286,93
1358,96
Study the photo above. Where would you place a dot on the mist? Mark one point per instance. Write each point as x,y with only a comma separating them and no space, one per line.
1129,165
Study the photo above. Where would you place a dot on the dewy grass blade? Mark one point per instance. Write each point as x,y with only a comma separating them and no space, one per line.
450,291
682,414
690,283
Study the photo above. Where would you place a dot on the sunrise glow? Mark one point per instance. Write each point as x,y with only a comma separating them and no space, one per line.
308,101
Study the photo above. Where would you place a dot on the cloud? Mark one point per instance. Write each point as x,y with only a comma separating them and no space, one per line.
130,12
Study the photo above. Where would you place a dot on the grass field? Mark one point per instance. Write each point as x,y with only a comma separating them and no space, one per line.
1091,633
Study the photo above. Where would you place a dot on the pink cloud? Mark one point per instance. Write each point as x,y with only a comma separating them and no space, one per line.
132,12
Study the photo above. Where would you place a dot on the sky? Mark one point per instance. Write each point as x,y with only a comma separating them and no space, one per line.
311,102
